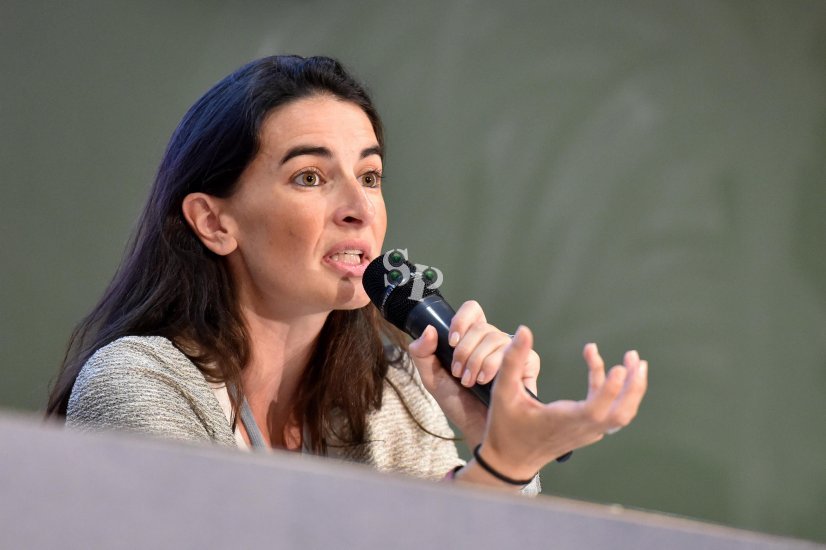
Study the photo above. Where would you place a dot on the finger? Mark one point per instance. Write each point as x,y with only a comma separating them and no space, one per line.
421,353
635,381
628,401
468,314
490,366
531,372
514,360
596,368
470,339
631,359
425,345
483,359
601,402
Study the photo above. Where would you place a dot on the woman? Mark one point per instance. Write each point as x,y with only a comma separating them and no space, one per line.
240,296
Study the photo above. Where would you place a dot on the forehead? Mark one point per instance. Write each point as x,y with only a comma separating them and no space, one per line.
317,120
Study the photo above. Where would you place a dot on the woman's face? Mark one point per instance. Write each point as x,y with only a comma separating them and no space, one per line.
308,214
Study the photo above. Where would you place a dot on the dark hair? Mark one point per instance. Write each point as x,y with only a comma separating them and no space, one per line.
169,284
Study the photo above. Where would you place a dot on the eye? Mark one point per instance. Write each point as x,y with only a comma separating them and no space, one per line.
371,179
307,178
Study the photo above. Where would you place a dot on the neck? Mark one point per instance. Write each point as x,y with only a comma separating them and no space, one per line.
279,352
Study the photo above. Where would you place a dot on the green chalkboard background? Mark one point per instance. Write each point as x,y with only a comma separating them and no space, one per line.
642,174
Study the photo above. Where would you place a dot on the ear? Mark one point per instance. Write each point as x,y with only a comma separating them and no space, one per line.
203,214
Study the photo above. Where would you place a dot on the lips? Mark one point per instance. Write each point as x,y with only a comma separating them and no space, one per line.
349,258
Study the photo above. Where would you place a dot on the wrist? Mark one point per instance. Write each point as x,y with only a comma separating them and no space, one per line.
473,433
471,440
499,474
473,473
492,459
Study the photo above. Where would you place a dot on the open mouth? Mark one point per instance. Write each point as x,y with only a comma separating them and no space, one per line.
348,257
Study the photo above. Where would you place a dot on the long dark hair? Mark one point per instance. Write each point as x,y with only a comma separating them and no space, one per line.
169,284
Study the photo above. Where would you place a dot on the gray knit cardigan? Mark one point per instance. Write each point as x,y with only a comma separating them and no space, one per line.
145,384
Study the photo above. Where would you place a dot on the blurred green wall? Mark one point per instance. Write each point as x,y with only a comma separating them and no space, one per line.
642,174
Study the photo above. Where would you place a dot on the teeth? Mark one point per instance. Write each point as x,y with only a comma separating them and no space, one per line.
352,257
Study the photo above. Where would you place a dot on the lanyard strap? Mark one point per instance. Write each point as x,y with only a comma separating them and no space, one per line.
256,439
254,433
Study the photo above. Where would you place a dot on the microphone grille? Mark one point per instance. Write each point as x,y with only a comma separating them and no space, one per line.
394,301
373,280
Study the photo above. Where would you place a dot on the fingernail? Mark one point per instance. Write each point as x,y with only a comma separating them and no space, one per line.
454,339
634,355
466,378
457,369
643,369
481,379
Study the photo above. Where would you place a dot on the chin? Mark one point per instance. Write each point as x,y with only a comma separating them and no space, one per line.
360,303
357,301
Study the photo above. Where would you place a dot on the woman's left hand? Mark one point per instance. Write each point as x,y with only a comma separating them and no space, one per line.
477,356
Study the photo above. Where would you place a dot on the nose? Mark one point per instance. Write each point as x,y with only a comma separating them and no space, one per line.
356,207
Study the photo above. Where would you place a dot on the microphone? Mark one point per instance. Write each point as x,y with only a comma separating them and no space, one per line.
410,300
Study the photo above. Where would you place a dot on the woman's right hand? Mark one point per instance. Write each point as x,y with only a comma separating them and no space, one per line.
522,435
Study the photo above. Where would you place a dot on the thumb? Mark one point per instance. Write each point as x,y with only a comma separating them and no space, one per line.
514,359
425,345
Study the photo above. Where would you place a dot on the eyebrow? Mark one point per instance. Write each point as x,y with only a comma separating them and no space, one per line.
324,152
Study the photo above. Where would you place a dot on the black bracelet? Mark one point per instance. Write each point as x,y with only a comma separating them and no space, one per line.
502,477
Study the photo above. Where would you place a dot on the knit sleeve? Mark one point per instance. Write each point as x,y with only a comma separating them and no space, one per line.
128,386
408,434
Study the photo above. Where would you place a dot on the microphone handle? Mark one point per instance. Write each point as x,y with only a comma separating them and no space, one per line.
434,310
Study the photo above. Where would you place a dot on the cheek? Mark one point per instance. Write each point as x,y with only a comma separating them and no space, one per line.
292,229
380,224
270,237
296,227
